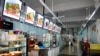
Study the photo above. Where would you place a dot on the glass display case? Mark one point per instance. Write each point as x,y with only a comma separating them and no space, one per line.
12,44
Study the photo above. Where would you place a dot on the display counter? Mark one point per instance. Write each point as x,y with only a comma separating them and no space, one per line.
12,44
44,52
53,51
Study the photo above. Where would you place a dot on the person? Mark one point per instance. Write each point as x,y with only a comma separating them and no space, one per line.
40,44
71,42
81,44
74,40
86,47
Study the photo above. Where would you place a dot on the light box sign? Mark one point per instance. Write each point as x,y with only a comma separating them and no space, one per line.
59,29
54,27
50,26
30,15
12,8
40,20
46,23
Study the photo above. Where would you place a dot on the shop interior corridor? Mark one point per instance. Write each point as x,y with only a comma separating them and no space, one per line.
49,27
69,50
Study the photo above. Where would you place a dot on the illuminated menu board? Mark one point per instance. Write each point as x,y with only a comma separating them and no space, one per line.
46,23
50,26
40,20
58,29
30,15
54,26
12,8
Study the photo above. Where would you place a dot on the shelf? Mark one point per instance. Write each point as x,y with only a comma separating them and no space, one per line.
16,40
16,47
7,48
4,48
12,40
12,45
13,52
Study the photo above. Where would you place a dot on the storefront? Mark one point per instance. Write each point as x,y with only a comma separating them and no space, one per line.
24,31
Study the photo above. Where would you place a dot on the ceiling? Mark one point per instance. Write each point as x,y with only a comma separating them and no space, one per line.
74,11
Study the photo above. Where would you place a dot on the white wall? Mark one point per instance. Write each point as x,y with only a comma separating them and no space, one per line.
92,35
98,30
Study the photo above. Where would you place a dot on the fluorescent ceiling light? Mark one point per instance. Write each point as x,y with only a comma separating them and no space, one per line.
91,16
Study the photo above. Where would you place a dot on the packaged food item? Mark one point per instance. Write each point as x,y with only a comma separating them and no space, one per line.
4,37
36,47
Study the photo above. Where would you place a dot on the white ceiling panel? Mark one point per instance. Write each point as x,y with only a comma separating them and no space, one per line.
73,10
60,5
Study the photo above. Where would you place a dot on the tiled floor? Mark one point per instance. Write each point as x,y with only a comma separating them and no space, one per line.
69,51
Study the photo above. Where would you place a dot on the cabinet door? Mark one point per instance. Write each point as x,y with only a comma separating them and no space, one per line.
34,53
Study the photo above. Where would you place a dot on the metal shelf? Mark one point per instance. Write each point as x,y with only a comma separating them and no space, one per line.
12,40
16,47
7,48
4,48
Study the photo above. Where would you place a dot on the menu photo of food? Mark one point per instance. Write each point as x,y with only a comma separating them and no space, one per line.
50,26
30,15
54,26
46,23
59,29
40,20
12,8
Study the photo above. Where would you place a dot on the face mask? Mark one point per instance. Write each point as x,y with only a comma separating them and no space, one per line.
85,41
32,39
